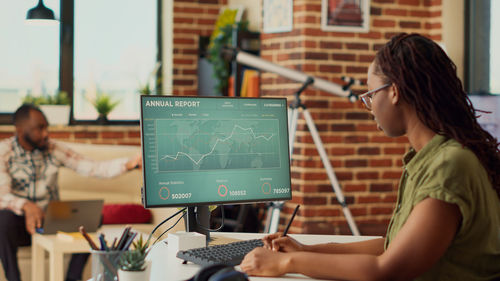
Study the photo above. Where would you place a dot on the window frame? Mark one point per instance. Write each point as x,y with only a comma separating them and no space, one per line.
477,47
66,63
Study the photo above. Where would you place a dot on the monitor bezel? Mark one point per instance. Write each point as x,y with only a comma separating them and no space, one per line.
231,202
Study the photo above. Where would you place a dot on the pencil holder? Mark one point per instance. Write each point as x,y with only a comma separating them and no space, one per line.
105,265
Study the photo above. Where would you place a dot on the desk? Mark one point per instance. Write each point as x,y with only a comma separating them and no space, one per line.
57,248
165,266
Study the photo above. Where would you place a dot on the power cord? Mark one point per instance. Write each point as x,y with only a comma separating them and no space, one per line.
168,229
164,221
206,228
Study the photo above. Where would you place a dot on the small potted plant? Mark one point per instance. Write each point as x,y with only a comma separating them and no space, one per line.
103,104
133,265
55,108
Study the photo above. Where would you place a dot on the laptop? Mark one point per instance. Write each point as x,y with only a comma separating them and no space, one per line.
68,216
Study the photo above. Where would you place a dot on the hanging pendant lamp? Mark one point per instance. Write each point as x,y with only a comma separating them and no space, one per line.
40,12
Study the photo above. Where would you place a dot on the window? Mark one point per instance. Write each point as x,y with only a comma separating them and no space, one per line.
482,45
29,55
494,48
115,52
98,47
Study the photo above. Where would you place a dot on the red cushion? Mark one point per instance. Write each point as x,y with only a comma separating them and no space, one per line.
125,214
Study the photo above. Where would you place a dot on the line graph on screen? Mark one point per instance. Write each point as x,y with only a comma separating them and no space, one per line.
202,144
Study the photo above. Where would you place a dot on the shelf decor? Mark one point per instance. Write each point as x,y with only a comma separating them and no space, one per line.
345,15
229,19
278,16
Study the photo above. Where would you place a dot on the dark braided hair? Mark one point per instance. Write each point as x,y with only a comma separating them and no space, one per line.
426,78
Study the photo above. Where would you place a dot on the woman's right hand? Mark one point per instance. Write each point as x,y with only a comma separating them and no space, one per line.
278,242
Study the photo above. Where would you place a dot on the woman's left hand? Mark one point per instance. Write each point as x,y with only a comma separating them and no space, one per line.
265,262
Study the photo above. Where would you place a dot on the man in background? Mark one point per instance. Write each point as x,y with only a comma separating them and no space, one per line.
29,165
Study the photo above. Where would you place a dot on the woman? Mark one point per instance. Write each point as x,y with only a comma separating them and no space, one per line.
446,225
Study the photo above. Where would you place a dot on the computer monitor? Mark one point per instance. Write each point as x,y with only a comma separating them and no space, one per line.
200,151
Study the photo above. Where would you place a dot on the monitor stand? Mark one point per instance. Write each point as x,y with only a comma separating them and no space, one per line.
203,218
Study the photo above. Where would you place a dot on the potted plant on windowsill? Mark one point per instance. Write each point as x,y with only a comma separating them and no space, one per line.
56,108
133,265
103,104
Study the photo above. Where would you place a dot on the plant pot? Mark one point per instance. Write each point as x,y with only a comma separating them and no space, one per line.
56,114
102,119
135,275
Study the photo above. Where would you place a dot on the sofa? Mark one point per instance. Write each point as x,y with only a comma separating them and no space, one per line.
124,189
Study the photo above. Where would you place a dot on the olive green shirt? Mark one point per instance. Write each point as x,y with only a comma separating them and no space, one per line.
447,171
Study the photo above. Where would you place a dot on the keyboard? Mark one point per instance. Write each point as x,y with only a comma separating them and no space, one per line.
229,254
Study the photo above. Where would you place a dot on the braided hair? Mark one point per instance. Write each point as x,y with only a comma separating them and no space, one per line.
427,79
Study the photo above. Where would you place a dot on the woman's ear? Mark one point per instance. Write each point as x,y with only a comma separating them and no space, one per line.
394,94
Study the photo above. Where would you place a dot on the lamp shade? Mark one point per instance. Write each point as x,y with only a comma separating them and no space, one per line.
40,12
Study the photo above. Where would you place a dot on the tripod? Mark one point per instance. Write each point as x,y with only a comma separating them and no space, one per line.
293,114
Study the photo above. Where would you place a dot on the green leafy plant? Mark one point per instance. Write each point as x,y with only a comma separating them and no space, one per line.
104,104
145,90
60,98
149,89
221,37
135,259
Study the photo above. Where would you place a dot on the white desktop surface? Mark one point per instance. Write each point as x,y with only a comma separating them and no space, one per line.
166,266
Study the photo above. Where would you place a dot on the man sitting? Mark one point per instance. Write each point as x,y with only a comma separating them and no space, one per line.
29,165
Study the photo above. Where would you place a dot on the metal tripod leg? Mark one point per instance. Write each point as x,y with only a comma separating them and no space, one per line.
329,171
273,216
293,113
274,209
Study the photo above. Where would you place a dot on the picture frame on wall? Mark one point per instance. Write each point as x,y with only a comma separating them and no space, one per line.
345,15
277,16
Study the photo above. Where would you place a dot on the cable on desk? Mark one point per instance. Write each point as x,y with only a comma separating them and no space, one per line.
168,229
207,228
164,221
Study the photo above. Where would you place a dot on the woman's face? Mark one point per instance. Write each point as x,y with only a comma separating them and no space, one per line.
384,105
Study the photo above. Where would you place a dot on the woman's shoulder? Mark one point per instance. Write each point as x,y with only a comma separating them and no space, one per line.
455,156
454,169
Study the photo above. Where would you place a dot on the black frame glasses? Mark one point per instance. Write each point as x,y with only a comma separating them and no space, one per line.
368,96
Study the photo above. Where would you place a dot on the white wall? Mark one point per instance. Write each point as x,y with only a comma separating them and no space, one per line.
453,33
253,12
168,46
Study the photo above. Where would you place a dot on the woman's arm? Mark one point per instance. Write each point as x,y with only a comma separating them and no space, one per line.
370,247
423,239
278,242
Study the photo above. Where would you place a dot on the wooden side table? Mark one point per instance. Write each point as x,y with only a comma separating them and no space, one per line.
56,249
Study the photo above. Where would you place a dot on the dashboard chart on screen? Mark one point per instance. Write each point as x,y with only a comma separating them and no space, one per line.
214,150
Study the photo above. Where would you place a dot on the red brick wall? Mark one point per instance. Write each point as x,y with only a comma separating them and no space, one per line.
366,162
119,135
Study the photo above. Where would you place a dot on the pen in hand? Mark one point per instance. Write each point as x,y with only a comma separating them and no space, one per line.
290,221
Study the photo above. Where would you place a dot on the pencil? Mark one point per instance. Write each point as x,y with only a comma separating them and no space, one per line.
290,221
123,238
93,246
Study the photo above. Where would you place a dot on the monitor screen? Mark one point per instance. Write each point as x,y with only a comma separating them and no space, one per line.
214,150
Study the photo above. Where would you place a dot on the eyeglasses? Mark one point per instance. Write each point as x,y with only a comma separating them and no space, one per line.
368,96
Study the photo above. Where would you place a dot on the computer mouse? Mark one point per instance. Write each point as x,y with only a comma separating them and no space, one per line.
228,274
219,272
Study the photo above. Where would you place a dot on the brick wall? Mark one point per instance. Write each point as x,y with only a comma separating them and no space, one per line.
366,162
120,135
